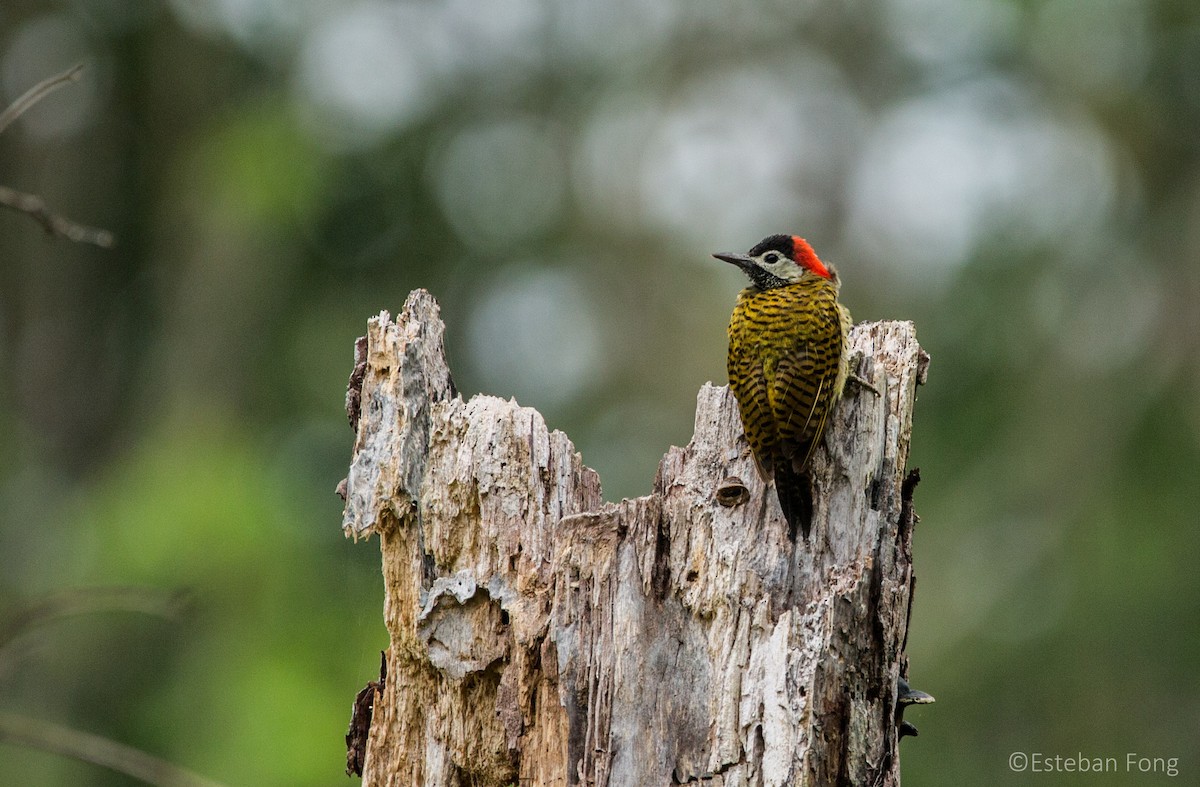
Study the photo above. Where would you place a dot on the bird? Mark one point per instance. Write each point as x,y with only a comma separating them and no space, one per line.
788,363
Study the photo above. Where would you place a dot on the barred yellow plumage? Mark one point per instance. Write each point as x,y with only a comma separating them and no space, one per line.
787,362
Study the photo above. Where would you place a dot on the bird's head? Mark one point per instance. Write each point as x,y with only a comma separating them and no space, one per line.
779,260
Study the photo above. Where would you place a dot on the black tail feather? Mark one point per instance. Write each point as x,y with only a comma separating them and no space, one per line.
795,498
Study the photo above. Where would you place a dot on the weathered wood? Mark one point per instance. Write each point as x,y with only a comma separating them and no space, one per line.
542,636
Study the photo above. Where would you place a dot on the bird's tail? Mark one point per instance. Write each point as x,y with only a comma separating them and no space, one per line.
795,498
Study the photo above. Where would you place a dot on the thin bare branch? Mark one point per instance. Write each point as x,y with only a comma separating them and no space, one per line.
31,204
23,632
86,747
54,224
37,93
85,601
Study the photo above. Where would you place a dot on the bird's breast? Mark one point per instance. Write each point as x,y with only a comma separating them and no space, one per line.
774,320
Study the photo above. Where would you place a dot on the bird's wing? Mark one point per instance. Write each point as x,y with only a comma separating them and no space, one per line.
803,393
748,381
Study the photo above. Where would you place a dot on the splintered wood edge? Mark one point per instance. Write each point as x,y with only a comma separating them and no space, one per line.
405,374
406,371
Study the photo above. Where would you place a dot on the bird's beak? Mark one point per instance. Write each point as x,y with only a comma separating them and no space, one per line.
740,260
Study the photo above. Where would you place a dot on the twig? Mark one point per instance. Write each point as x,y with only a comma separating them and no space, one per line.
54,224
22,631
86,601
31,204
97,750
37,93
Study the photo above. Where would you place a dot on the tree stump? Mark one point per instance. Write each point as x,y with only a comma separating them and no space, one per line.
540,636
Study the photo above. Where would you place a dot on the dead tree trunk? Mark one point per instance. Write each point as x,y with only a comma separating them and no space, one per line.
540,636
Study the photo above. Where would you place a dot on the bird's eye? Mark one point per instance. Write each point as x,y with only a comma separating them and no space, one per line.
771,258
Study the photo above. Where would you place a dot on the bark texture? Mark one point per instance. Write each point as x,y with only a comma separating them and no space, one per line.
540,636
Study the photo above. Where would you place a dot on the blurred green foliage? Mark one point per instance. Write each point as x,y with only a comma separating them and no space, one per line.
1019,177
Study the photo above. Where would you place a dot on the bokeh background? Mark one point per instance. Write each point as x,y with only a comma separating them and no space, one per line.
1019,177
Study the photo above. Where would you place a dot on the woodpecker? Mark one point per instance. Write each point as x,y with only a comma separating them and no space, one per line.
787,362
